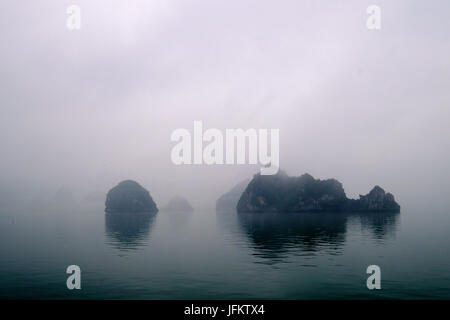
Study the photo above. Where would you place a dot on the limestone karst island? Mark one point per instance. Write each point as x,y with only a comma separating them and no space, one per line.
264,193
129,197
282,193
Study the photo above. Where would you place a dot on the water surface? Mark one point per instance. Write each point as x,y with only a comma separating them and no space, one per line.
207,255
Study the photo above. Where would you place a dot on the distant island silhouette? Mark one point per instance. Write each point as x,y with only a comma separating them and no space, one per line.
229,200
177,204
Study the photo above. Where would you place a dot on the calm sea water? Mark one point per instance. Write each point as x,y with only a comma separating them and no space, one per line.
206,255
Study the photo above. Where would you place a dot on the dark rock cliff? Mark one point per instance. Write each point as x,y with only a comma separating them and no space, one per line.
281,193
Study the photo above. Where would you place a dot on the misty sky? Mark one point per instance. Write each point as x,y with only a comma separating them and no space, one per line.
89,108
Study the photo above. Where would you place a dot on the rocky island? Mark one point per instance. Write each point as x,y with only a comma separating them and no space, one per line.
129,197
282,193
178,204
228,201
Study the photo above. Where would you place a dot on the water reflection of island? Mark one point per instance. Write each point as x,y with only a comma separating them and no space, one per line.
380,225
128,231
276,236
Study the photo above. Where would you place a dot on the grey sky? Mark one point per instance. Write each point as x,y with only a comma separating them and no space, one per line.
89,108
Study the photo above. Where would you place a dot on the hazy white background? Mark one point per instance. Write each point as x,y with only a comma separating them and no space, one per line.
86,109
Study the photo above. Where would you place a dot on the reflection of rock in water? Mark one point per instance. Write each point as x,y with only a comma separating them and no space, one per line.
128,231
272,235
381,225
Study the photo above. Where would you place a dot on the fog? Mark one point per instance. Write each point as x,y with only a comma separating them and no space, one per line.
85,109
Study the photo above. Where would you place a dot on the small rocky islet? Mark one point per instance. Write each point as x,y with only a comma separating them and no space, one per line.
129,197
